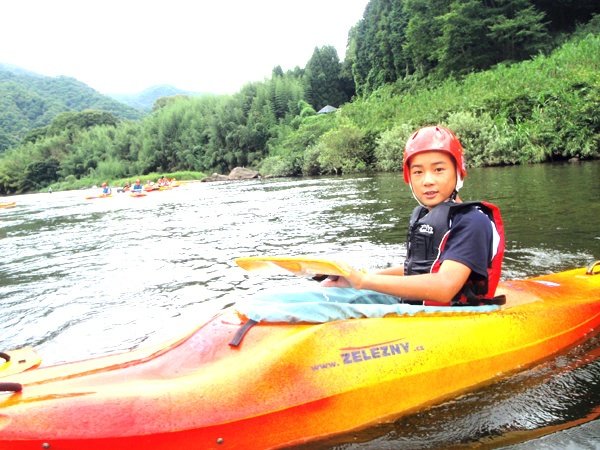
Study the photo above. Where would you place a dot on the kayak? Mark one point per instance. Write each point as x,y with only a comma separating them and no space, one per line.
92,197
233,384
8,204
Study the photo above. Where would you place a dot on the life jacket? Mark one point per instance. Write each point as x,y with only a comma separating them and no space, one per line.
428,233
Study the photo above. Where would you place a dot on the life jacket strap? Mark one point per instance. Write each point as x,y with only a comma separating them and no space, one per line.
468,297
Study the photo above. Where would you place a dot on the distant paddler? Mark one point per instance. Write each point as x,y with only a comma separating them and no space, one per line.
106,190
137,186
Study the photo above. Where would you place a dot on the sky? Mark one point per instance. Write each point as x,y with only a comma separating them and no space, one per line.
126,46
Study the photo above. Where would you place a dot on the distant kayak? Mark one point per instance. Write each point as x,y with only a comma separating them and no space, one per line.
234,384
92,197
8,204
138,194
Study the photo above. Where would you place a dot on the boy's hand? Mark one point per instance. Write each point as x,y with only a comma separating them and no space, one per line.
335,281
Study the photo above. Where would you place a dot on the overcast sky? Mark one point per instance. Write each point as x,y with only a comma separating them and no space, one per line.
125,46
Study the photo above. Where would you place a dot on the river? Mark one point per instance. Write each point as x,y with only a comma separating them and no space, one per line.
83,278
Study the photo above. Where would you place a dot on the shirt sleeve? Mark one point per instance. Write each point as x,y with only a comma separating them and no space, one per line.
470,241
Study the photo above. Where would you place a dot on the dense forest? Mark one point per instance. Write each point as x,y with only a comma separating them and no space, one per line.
28,101
517,80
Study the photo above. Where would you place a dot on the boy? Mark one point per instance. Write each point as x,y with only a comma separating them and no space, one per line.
454,255
455,249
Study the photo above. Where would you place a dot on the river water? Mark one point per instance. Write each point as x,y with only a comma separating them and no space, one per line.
83,278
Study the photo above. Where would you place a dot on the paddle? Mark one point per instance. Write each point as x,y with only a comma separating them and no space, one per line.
17,361
318,268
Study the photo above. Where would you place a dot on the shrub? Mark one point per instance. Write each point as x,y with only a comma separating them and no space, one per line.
390,147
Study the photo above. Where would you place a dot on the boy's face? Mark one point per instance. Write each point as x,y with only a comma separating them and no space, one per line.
433,177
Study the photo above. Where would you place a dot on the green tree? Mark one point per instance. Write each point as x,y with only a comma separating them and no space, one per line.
323,79
342,150
376,46
465,43
423,33
518,29
564,15
73,123
40,173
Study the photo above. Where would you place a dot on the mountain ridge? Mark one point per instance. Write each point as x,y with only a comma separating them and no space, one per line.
145,99
29,100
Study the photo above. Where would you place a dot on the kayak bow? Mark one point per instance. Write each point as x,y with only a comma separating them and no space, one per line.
288,384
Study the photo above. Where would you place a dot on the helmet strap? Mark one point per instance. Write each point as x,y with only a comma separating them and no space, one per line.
415,197
459,184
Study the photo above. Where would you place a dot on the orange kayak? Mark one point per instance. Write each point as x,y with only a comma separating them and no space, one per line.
8,204
92,197
287,384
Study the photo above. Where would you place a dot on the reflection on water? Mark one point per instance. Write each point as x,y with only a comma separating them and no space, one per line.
88,277
550,212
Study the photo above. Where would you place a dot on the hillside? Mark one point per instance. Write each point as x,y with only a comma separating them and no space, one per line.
144,101
29,101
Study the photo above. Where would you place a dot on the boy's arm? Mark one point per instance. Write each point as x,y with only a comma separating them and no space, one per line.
441,286
338,281
398,270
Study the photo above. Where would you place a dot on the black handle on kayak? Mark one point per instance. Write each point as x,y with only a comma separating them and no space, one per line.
10,387
591,269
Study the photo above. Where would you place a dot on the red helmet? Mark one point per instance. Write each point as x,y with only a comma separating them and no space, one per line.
434,138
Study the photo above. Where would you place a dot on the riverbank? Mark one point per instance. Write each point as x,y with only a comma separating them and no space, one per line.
90,182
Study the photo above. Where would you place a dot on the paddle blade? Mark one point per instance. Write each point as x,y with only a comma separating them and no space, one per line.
298,265
17,361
